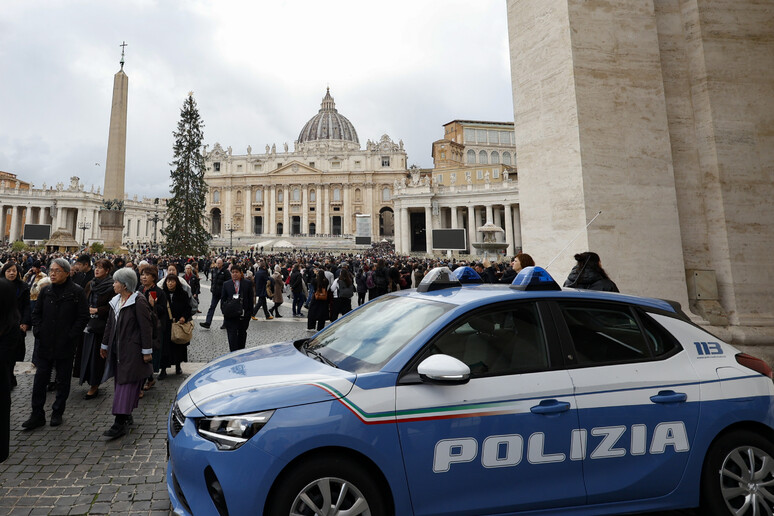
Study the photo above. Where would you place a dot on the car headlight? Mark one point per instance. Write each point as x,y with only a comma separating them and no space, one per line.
231,432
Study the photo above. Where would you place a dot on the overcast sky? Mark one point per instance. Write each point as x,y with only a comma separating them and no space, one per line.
258,71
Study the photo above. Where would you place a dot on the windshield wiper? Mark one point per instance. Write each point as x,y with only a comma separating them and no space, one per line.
319,356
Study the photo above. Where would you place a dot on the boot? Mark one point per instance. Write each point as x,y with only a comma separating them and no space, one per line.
119,427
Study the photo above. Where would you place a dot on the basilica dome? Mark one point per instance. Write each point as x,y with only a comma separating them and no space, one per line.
328,124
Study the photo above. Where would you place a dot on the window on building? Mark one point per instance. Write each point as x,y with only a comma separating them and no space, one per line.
259,195
385,161
506,138
279,165
453,177
239,168
216,196
216,166
494,158
494,137
280,196
467,175
239,196
312,196
470,136
496,173
443,155
479,174
337,194
296,194
257,167
439,179
506,158
386,196
358,165
482,157
335,164
471,159
311,164
358,195
481,135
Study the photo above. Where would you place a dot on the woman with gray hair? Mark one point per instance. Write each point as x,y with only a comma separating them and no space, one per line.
127,346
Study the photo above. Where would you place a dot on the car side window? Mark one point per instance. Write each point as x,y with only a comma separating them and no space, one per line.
604,333
498,342
661,341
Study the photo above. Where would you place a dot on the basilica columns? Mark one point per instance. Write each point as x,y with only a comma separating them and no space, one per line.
271,228
304,210
285,210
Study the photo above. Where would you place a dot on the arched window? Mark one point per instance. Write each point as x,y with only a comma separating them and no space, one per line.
471,159
337,194
494,158
280,196
358,197
239,196
482,157
506,158
259,195
216,196
296,194
386,194
312,196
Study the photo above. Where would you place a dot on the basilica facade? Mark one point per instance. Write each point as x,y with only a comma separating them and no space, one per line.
317,189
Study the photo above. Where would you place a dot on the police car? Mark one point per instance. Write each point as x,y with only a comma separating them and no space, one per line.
467,399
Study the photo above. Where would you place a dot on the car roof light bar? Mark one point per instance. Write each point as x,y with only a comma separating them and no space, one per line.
534,278
467,275
437,279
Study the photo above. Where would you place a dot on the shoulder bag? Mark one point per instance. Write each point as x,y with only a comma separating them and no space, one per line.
182,332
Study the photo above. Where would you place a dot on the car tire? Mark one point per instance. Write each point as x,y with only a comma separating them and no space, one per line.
733,475
348,483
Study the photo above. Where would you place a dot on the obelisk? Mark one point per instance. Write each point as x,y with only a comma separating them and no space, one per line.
111,217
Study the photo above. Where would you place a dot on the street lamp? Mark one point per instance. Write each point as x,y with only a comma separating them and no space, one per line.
84,226
231,227
155,220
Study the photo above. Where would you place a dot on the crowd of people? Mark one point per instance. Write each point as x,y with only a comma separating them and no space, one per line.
130,317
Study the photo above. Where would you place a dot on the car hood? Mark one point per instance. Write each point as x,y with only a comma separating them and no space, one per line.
264,378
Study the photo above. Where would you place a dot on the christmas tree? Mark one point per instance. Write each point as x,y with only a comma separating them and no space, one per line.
186,233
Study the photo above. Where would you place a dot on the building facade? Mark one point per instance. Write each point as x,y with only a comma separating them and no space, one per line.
317,189
75,210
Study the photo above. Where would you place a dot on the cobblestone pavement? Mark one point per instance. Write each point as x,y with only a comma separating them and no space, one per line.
72,469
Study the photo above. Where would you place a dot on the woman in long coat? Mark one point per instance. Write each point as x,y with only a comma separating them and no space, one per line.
127,347
149,275
9,335
318,308
179,305
99,292
278,287
12,272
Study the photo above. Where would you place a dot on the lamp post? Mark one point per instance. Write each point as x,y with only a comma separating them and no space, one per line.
155,220
231,227
84,226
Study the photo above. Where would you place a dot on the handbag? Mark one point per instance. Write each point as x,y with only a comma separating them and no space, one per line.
182,332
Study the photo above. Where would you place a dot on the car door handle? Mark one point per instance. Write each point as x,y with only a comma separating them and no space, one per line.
550,407
669,397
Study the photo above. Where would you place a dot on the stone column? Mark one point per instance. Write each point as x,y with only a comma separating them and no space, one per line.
429,229
497,221
305,210
477,215
455,221
471,228
327,210
398,236
346,211
317,210
14,233
489,217
405,230
268,210
509,229
286,210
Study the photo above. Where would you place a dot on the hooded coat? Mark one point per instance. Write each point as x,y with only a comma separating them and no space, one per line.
590,278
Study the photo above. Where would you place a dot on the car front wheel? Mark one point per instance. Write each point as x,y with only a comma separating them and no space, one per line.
738,476
327,486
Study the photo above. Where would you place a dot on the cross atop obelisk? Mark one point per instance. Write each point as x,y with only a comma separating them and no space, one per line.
112,215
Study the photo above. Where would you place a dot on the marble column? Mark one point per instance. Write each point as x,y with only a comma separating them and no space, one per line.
305,210
429,229
478,215
405,230
471,227
286,210
509,229
517,228
398,235
327,211
317,211
14,233
268,211
489,217
455,221
346,211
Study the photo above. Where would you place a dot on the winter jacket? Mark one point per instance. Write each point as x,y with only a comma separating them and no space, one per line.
261,278
219,277
128,336
590,279
58,320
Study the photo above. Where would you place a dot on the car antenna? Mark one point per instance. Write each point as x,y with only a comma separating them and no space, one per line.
573,239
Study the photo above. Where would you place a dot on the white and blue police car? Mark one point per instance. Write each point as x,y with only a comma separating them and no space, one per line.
469,399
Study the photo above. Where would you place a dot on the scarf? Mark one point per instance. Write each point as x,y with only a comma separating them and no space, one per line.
100,286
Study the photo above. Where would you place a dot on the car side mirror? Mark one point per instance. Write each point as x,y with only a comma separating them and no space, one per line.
443,369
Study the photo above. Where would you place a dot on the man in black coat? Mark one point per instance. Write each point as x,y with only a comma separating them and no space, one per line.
219,276
58,320
261,278
83,271
237,307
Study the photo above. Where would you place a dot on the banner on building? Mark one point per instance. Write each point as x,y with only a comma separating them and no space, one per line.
363,229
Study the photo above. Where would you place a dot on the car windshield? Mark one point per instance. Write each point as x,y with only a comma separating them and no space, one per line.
367,338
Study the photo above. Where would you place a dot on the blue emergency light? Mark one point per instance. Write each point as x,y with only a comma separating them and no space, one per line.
467,275
534,278
437,279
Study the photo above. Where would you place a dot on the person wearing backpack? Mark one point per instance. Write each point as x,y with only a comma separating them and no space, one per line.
318,308
343,289
381,278
369,281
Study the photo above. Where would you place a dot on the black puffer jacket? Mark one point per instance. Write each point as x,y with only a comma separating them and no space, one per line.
590,278
58,320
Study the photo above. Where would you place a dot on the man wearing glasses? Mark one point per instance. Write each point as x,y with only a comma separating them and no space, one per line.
59,317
